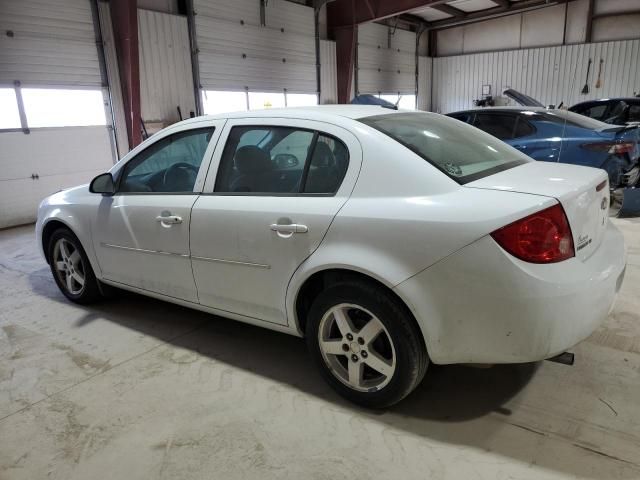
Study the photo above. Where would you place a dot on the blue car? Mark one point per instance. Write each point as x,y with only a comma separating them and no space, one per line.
552,135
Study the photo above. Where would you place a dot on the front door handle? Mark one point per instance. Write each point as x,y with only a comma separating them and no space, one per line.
169,219
290,228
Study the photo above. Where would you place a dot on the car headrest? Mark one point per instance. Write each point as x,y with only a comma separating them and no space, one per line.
252,159
323,156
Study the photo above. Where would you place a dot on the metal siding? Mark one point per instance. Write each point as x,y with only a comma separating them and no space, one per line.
424,82
551,75
113,73
328,72
165,66
53,43
278,56
386,63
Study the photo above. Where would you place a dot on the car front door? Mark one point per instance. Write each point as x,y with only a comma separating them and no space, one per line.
141,234
272,192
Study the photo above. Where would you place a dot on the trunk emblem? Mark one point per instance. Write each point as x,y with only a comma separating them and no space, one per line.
603,204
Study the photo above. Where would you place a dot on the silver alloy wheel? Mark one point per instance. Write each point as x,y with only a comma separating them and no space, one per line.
69,267
357,347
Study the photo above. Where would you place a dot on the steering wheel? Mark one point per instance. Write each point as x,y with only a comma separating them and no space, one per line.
178,173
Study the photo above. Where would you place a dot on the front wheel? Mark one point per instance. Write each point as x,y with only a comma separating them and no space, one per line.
71,268
366,344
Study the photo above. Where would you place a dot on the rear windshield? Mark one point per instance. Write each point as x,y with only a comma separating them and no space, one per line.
462,152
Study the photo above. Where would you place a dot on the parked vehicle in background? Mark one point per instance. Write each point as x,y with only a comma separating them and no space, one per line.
618,111
552,135
389,239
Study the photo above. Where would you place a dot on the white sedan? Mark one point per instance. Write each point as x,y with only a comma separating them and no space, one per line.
389,239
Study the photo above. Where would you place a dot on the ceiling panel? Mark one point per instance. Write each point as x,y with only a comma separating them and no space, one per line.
430,14
472,5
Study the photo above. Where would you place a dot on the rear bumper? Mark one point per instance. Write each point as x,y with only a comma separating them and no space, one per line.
482,305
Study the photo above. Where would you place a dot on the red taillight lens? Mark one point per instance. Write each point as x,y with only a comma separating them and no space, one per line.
610,147
544,237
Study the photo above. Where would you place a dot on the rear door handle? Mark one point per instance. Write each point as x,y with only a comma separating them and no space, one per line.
290,228
169,219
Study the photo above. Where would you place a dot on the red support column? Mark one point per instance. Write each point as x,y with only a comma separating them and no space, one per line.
125,28
346,40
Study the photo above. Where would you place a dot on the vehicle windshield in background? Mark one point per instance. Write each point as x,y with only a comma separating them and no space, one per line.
462,152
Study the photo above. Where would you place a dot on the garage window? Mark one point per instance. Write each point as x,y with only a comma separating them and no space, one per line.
262,100
9,116
406,102
48,107
215,102
301,99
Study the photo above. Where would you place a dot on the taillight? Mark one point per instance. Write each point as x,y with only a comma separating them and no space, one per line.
610,147
544,237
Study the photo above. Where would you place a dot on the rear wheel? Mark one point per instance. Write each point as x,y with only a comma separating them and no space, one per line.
71,268
366,344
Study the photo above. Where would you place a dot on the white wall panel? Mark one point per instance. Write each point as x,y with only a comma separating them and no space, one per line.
328,72
424,82
166,81
235,52
551,75
543,27
113,74
59,156
386,60
53,43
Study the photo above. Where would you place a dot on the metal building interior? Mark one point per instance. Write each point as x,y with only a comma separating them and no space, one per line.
139,388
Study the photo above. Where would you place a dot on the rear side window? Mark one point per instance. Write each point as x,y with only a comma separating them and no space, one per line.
634,113
593,111
460,151
500,125
523,128
466,117
281,160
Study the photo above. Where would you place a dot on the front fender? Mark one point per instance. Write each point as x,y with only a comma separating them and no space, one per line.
75,213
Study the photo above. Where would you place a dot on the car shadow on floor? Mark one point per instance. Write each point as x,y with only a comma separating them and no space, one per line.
460,405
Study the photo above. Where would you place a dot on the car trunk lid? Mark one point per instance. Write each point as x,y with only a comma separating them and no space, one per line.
583,192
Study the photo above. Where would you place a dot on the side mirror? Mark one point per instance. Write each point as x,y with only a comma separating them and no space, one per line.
103,184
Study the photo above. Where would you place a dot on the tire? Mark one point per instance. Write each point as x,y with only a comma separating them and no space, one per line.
65,262
399,344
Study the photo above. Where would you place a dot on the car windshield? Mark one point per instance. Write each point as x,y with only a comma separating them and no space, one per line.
462,152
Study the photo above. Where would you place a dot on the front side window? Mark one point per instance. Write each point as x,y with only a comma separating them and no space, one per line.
280,160
634,113
170,165
460,151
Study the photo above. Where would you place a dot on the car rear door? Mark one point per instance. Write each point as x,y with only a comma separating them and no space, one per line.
141,234
272,191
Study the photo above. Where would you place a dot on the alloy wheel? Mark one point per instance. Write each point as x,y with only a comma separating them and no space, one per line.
69,266
356,347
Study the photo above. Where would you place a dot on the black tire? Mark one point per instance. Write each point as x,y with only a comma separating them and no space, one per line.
90,291
410,353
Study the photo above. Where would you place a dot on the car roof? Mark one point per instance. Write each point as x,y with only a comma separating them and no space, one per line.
607,100
517,108
319,112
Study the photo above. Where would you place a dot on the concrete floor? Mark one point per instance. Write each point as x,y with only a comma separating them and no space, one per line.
135,388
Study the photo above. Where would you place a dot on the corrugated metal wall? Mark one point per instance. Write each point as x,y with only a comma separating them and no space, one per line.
51,42
166,81
425,65
551,75
328,72
386,62
236,52
113,74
